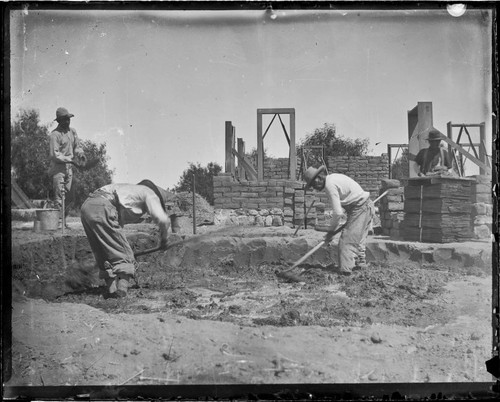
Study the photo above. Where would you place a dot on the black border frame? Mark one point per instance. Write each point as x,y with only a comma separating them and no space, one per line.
342,391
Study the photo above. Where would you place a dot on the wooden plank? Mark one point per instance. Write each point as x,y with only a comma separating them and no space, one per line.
293,153
436,207
260,147
241,151
275,110
452,190
466,154
449,224
433,235
247,166
19,198
229,147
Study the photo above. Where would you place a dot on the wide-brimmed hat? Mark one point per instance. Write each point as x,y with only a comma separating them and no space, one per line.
310,174
434,135
62,112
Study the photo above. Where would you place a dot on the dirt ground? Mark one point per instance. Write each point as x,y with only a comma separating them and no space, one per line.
228,323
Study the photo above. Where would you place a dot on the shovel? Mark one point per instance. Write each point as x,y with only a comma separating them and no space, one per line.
305,257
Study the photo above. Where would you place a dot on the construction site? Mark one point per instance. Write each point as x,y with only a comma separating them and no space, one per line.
213,309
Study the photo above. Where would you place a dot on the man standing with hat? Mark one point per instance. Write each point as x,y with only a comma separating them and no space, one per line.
435,159
104,214
64,146
345,193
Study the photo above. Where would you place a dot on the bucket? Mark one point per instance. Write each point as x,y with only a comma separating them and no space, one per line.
48,218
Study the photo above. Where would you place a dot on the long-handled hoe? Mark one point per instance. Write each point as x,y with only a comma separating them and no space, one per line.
288,275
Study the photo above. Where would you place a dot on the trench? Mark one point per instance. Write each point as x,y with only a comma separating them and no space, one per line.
229,275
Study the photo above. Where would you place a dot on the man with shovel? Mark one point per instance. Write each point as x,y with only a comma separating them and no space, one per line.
104,214
64,148
345,193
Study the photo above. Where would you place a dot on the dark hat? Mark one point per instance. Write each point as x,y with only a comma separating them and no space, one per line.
62,112
310,174
434,135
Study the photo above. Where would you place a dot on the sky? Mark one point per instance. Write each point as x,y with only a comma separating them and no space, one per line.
158,86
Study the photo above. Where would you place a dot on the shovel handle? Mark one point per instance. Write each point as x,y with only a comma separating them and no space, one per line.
311,252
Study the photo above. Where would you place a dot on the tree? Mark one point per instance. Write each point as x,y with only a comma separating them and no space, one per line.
204,183
30,160
29,154
87,181
400,166
333,143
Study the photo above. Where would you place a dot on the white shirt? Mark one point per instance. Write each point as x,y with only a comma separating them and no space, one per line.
136,200
343,191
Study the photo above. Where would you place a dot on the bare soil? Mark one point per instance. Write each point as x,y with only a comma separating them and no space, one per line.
234,323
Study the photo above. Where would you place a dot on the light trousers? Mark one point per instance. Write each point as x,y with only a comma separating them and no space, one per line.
352,242
113,254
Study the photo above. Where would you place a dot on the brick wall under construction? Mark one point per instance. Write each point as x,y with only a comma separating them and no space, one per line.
278,195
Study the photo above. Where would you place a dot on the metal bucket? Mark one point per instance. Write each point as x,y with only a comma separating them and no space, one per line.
48,218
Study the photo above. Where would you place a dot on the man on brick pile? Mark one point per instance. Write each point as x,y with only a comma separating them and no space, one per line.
64,147
435,159
104,214
345,193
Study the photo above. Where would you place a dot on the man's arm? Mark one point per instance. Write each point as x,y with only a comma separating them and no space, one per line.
334,197
419,161
154,208
54,153
77,146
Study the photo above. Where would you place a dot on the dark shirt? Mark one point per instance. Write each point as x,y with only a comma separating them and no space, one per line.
428,158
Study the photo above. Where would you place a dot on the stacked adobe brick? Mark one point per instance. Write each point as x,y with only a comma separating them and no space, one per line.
482,207
366,170
277,193
391,208
275,168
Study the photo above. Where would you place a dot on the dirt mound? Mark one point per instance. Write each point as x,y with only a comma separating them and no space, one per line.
203,210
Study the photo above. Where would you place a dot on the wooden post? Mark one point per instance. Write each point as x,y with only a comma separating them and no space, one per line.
233,146
260,148
241,151
194,204
451,152
389,148
293,151
229,146
482,149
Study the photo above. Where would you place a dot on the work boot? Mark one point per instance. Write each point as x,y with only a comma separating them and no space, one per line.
111,287
122,286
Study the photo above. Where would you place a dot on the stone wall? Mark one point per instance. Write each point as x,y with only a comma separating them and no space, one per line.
391,210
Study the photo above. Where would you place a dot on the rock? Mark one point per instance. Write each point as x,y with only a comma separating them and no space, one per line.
277,221
482,232
375,338
259,220
291,317
475,337
268,221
